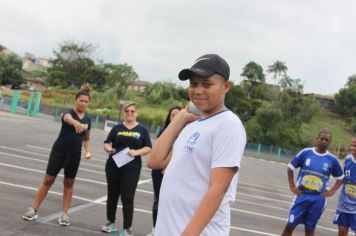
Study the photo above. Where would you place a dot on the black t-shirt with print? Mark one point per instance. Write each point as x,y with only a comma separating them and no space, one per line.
136,138
68,140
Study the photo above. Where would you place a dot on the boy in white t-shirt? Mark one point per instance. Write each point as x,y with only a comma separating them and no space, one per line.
204,154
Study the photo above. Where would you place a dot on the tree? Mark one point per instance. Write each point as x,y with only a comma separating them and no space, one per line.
119,77
346,99
291,85
233,97
164,91
278,69
351,80
70,62
95,76
10,71
253,72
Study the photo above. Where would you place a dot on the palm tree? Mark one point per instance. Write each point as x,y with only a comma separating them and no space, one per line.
278,68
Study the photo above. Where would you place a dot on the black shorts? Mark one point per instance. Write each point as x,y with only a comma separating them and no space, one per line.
58,160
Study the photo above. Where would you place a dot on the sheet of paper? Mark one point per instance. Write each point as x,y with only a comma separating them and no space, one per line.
122,158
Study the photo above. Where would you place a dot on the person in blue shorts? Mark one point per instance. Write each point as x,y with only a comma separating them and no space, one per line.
345,216
311,188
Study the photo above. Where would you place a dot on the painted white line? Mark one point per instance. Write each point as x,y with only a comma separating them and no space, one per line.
36,189
276,218
275,192
258,214
76,228
45,161
260,186
262,205
270,199
45,155
253,231
37,147
144,181
94,159
144,191
263,198
77,178
61,175
23,151
149,192
99,202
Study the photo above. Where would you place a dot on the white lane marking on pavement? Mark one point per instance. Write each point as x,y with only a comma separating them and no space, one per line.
38,147
98,201
276,218
149,180
269,199
61,175
46,155
260,186
284,193
145,181
45,161
76,228
262,205
258,214
35,189
253,231
263,198
95,159
23,151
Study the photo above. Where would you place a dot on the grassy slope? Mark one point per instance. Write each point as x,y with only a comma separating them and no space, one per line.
334,123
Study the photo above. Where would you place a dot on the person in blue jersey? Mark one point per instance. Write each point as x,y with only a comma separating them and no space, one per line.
122,181
66,154
157,174
311,188
202,154
345,216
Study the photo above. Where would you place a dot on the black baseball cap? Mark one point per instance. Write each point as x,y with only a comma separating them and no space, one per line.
206,66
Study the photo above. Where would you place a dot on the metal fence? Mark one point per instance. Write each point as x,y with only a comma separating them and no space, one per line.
270,153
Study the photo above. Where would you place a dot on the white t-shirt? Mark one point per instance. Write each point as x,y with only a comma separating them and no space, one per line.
217,141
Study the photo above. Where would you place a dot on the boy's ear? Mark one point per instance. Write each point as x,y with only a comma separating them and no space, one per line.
227,86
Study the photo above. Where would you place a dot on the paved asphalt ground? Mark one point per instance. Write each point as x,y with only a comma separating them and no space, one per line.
261,206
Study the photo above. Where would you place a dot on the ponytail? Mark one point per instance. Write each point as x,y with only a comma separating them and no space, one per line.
85,91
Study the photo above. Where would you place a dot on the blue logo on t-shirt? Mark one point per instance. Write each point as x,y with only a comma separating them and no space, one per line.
191,142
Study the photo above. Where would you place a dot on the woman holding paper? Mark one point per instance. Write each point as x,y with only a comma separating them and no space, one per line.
128,139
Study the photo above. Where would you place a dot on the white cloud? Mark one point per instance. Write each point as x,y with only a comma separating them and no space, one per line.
158,38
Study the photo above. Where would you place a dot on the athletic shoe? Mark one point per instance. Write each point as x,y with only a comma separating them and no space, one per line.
109,227
126,232
30,215
152,233
64,220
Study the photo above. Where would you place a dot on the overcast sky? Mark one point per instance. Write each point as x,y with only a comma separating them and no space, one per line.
316,38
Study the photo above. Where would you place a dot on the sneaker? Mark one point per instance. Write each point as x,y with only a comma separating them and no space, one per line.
64,220
152,233
109,227
126,232
30,215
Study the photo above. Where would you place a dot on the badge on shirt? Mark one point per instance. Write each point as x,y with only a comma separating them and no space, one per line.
312,182
191,142
350,190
